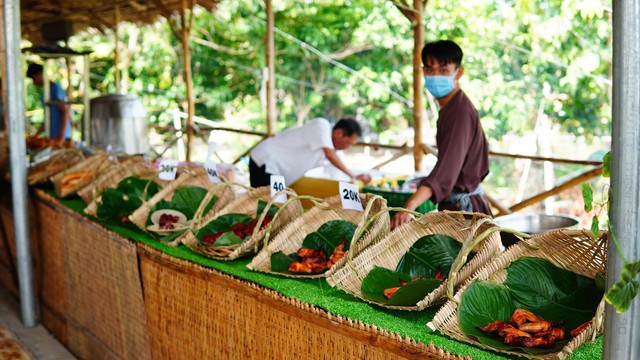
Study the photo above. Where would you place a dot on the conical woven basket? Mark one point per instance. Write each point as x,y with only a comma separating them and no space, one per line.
246,204
86,172
62,160
111,176
190,177
573,250
290,239
388,252
111,179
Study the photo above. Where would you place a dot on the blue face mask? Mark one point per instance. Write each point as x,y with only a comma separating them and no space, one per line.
439,86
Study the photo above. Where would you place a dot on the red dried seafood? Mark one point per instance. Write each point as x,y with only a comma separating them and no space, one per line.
166,221
527,329
314,261
241,230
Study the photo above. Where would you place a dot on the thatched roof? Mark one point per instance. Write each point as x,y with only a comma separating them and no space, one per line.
99,14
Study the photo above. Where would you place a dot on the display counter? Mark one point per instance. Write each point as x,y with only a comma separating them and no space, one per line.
110,292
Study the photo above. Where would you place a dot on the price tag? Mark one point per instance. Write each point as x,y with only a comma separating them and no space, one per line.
212,171
212,149
168,169
277,185
350,196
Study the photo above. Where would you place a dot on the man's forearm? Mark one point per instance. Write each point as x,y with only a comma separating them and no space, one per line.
419,197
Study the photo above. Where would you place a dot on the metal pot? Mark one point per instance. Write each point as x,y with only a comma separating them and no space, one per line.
534,223
119,122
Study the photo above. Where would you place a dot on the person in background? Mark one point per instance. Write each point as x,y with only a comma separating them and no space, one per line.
297,150
463,152
60,126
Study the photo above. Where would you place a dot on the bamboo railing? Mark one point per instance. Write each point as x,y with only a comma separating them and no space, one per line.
403,150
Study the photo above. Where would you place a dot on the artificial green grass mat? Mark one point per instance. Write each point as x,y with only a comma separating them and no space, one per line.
318,293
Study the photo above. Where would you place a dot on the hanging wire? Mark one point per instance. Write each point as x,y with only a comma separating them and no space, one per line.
338,64
555,62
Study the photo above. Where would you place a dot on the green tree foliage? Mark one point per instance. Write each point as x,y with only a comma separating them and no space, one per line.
339,58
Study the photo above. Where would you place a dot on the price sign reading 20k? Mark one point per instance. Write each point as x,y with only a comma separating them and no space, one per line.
350,196
277,185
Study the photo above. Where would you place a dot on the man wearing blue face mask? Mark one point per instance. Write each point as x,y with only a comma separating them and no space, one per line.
463,152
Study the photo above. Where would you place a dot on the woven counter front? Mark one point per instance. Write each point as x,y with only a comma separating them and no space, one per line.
195,312
89,289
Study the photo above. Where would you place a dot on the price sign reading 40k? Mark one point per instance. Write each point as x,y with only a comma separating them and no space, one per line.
168,169
277,185
212,170
350,196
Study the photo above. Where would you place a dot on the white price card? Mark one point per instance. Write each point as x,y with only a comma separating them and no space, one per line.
212,149
350,196
211,167
168,169
277,185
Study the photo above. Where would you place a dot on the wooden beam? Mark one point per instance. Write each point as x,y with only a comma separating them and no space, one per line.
418,43
271,70
558,189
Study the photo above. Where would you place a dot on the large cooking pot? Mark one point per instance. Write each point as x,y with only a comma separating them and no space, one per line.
534,223
119,122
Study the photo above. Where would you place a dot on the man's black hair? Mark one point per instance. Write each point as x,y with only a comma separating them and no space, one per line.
444,51
34,69
349,127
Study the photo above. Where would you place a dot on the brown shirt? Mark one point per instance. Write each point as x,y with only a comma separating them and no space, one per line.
463,155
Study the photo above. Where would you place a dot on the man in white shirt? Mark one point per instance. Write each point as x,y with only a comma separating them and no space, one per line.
297,150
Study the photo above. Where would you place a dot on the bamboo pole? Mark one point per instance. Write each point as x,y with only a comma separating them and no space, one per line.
271,72
116,50
186,52
418,43
558,189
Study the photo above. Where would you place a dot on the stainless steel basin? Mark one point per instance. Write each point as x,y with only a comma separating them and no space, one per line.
534,223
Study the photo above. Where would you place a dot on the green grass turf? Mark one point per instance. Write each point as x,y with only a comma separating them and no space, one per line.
317,292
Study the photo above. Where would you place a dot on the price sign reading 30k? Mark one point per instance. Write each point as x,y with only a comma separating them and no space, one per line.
350,196
277,185
212,170
168,169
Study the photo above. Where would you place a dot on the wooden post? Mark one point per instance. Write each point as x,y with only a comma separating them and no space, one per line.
116,50
271,73
186,53
418,43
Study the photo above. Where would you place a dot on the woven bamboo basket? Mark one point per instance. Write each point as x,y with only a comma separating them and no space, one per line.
290,239
90,167
248,205
193,177
388,252
573,250
111,176
62,160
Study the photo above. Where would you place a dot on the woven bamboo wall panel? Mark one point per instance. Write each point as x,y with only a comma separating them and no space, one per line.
199,313
50,235
105,294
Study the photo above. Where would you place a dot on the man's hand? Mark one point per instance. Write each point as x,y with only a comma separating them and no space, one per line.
400,218
365,178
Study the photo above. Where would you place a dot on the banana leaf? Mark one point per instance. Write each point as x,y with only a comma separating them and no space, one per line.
429,254
120,202
426,256
536,285
379,279
222,223
263,204
186,199
281,261
327,237
551,292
